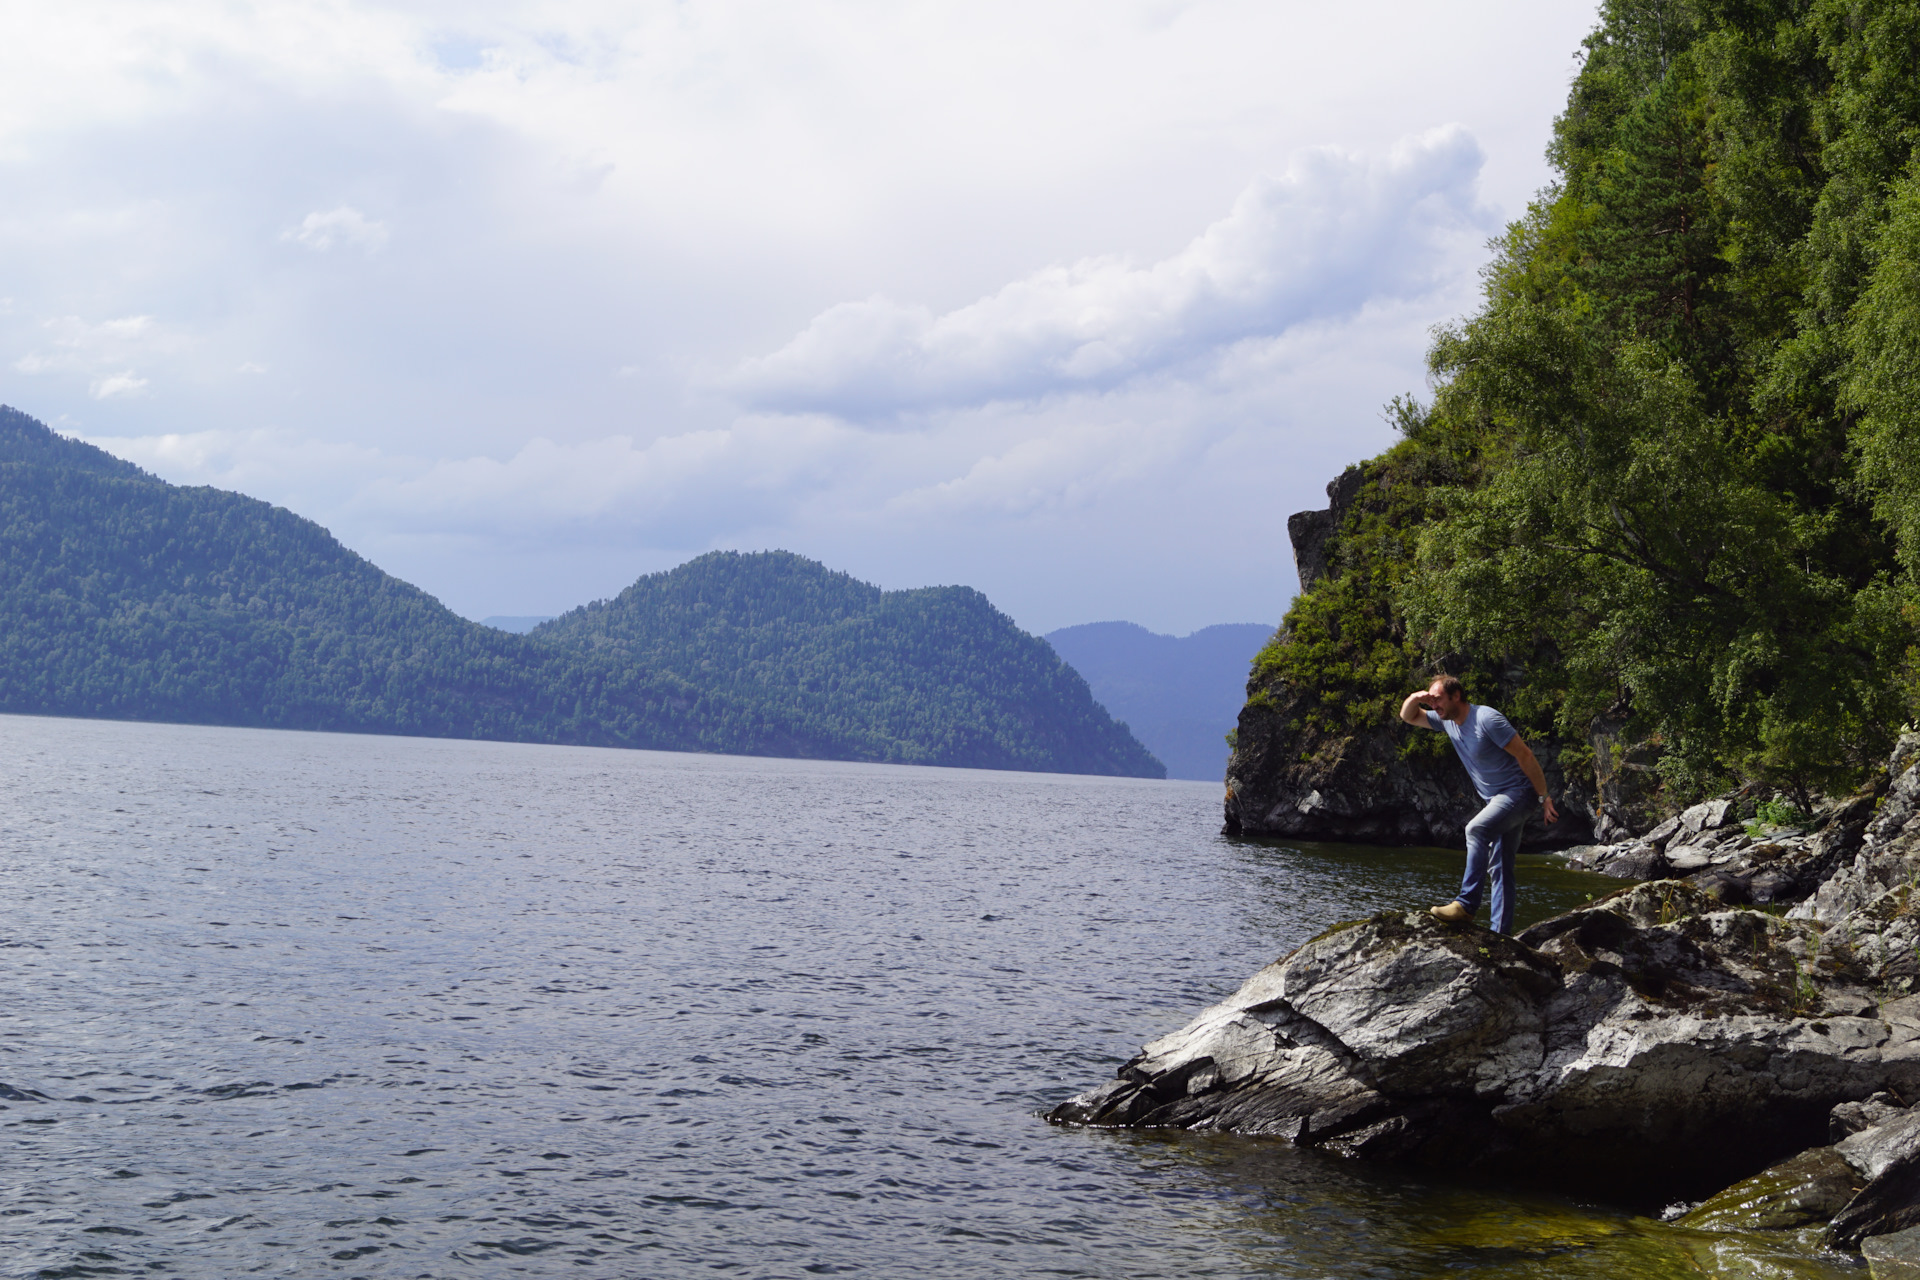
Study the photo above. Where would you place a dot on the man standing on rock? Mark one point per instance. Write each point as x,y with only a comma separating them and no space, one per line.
1507,777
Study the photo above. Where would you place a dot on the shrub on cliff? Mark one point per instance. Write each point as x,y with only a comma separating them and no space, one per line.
1670,463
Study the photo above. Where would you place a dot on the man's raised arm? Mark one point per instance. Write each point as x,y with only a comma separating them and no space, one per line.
1414,709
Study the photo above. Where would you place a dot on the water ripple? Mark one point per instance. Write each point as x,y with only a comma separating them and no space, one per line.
300,1004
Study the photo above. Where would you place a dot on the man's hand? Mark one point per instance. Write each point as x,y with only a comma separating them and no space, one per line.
1517,748
1414,709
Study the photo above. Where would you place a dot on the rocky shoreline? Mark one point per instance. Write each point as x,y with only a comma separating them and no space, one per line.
1739,1033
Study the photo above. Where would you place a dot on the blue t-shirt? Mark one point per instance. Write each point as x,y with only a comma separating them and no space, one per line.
1481,742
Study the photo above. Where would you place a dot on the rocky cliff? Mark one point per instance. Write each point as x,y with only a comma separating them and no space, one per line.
1657,1044
1325,757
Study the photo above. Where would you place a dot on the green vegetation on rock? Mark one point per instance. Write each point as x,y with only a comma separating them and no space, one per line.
1671,469
126,597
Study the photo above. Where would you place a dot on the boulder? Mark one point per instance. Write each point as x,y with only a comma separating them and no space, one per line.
1890,1203
1626,860
1887,1155
1588,857
1806,1190
1651,1040
1895,1256
1638,861
1689,858
1850,1118
1874,1150
1663,834
1709,815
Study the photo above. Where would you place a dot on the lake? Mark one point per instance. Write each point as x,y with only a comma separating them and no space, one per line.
313,1004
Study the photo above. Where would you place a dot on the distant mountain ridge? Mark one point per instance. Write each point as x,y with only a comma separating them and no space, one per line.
1178,694
854,665
122,596
519,624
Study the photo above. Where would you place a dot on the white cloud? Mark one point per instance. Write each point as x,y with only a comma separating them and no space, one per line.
124,383
78,345
344,225
1337,231
81,347
695,484
585,217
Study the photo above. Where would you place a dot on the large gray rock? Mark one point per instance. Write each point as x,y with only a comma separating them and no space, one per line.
1705,816
1894,1257
1850,1118
1874,1150
1648,1042
1887,1155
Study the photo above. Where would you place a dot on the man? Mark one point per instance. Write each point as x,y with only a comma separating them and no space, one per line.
1507,777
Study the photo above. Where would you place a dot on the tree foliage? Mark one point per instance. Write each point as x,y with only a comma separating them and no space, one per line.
929,676
1680,428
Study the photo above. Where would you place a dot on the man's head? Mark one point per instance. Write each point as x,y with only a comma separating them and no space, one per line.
1448,696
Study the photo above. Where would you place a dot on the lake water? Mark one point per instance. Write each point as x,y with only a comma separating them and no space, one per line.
307,1004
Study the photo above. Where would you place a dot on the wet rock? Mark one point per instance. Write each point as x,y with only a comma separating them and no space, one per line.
1874,1150
1895,1256
1806,1190
1889,1203
1649,1040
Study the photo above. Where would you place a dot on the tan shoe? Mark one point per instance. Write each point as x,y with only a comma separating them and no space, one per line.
1454,912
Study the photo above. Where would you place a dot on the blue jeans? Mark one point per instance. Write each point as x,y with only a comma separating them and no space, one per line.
1493,838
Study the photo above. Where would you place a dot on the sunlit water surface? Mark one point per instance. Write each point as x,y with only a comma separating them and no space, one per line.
305,1004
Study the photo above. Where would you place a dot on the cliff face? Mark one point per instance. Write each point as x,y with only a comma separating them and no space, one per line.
1287,781
1320,759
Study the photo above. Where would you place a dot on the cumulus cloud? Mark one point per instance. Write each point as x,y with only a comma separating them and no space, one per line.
1336,231
345,225
585,215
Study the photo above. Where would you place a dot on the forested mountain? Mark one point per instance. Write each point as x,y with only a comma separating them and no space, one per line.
1667,492
1179,694
519,624
122,596
933,676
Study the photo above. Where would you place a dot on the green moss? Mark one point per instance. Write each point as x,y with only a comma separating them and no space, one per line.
1344,654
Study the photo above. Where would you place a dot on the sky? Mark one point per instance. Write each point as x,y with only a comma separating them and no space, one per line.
1072,302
